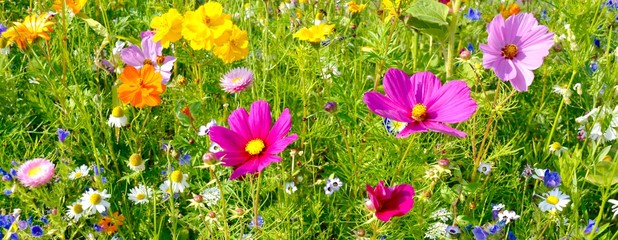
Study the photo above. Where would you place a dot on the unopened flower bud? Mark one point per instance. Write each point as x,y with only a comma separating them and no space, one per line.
198,198
330,107
360,232
369,205
465,54
444,162
175,154
209,158
212,214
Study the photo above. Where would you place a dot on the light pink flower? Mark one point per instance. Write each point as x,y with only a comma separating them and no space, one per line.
422,102
390,202
237,80
250,145
35,172
515,48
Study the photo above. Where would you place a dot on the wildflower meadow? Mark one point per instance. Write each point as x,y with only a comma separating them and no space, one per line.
309,119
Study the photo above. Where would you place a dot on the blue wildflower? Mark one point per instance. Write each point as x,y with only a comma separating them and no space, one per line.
5,175
6,221
104,179
36,231
185,159
165,147
97,228
14,236
260,222
594,66
497,227
326,42
597,42
479,233
552,179
470,47
62,134
473,14
44,220
7,192
590,226
511,236
544,15
453,230
382,237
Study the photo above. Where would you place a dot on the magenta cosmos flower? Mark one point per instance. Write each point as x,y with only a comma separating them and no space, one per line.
515,48
390,202
250,145
237,80
422,102
150,53
35,172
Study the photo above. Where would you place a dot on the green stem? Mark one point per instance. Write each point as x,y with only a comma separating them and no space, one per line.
400,164
256,199
451,41
223,204
553,127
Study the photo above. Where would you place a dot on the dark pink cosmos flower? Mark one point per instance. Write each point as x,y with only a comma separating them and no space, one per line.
422,102
390,202
515,48
250,145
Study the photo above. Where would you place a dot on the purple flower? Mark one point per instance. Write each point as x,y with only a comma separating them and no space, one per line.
453,230
36,231
551,179
22,225
479,233
260,222
150,53
62,134
515,48
590,226
330,107
473,14
2,28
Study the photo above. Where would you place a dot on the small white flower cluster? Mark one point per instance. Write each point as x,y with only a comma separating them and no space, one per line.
604,123
441,214
437,231
211,196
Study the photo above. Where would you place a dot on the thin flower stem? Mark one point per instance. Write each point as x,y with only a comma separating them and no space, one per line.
256,199
402,159
349,150
451,41
223,204
374,227
553,127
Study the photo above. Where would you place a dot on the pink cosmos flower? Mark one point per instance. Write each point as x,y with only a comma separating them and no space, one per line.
515,47
150,53
237,80
250,145
422,102
390,202
35,172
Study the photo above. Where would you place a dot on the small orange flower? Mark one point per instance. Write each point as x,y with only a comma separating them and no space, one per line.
110,225
511,10
140,87
74,5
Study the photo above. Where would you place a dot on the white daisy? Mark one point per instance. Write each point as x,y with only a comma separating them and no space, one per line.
614,206
178,182
508,216
554,200
94,201
140,194
290,187
117,118
557,149
75,211
79,172
136,163
205,130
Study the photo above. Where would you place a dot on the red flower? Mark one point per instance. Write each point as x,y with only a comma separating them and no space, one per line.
390,202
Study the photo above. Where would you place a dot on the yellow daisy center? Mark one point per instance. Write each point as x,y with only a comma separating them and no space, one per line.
509,51
135,160
553,200
35,171
397,125
176,176
77,208
140,196
78,174
255,146
95,199
118,112
555,146
236,79
419,112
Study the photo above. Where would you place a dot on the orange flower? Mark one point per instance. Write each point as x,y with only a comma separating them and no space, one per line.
75,5
32,28
511,10
110,225
140,87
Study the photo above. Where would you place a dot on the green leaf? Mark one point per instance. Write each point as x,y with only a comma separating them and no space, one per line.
428,17
96,26
184,119
603,174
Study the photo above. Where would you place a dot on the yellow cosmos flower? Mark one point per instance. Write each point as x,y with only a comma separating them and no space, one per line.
314,34
355,8
235,46
168,27
75,5
206,26
32,28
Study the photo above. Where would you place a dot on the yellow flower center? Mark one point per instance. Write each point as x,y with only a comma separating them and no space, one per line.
236,79
555,146
176,176
78,174
255,146
77,208
140,196
118,112
509,51
397,125
95,199
553,200
34,171
207,20
135,160
419,112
